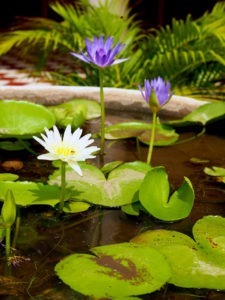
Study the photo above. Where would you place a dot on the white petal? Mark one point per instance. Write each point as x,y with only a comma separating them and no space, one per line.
67,135
48,156
74,165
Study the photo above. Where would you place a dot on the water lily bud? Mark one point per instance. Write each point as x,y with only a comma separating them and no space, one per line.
8,212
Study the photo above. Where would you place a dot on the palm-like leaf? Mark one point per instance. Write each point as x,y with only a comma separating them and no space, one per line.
189,53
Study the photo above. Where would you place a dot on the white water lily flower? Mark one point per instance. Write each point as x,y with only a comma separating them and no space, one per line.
70,148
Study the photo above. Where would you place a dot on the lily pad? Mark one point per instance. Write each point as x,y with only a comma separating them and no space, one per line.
209,232
75,112
202,115
75,206
191,269
154,196
120,188
8,176
195,263
23,119
162,237
216,172
30,193
118,270
165,135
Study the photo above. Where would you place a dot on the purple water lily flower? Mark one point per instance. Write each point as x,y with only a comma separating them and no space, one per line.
101,53
156,92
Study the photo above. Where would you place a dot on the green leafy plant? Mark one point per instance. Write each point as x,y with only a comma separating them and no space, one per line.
80,20
179,52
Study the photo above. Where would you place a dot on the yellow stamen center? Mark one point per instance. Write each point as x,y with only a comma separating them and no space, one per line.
65,151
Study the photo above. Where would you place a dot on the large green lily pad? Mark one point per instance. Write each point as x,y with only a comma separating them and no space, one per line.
23,119
119,188
118,270
195,263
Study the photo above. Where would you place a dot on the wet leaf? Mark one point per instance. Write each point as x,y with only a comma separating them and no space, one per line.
162,237
107,168
30,193
75,112
165,135
132,209
209,232
198,161
8,177
202,115
195,263
115,271
75,206
31,119
191,269
154,196
216,172
120,188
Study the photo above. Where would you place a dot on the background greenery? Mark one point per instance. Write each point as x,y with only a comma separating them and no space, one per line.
189,53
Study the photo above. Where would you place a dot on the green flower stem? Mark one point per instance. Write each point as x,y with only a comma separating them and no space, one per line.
102,104
8,241
152,138
63,186
17,227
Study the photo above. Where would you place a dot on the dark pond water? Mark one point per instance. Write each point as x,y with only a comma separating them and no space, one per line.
44,240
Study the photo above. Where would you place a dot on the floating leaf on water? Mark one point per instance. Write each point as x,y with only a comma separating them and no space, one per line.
28,193
120,188
31,119
107,168
8,177
75,112
162,237
165,135
209,232
115,271
202,115
195,263
196,160
75,206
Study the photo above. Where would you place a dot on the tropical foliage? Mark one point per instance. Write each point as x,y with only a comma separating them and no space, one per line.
189,53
